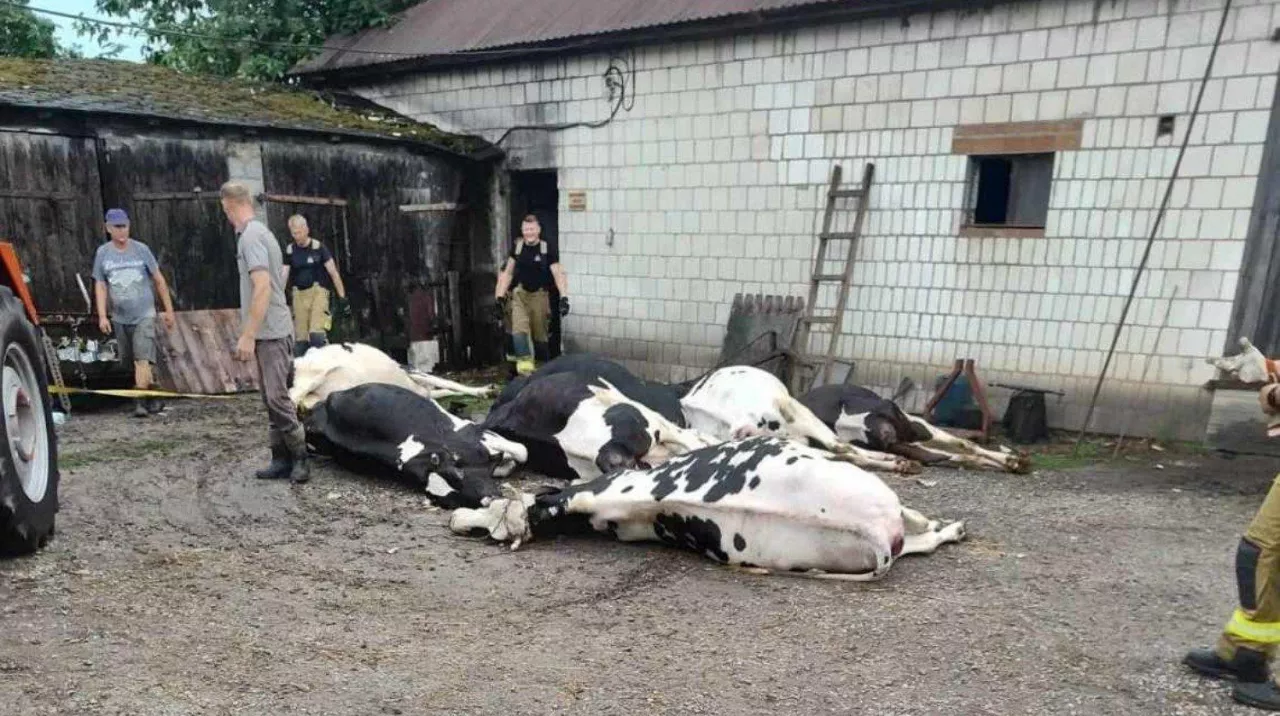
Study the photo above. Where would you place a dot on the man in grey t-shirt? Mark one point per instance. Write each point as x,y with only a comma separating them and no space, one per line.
266,332
124,272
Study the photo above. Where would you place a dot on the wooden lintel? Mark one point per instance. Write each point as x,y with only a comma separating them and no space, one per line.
294,199
422,208
47,195
175,195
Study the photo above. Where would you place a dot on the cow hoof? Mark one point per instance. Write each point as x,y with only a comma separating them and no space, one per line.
953,532
908,467
1020,464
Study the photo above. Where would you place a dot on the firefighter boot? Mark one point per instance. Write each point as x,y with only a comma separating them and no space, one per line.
1258,694
1246,665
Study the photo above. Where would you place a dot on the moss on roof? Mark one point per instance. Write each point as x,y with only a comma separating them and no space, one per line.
145,89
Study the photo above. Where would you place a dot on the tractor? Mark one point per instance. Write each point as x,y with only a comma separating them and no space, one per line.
29,466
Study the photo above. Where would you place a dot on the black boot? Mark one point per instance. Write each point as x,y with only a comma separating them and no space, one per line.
1260,695
140,408
1247,666
280,466
299,472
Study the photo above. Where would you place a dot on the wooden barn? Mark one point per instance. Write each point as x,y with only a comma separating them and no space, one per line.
402,205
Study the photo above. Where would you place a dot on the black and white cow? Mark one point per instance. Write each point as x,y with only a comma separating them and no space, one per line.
578,427
385,429
340,366
859,416
741,401
658,397
765,503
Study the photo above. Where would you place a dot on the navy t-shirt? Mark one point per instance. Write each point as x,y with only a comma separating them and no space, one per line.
533,265
306,264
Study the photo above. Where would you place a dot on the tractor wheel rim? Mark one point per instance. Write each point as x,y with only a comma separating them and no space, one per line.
24,422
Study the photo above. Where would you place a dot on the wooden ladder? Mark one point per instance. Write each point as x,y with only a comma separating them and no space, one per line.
815,365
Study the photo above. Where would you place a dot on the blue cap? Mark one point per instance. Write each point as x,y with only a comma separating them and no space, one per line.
117,217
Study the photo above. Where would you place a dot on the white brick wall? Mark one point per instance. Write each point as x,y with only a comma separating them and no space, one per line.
713,182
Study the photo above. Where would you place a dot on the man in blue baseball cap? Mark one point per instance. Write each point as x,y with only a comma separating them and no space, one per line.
124,271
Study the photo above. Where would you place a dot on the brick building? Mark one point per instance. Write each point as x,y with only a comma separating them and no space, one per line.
1020,149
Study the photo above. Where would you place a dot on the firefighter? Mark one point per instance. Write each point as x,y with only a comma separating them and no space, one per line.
309,269
1248,641
530,270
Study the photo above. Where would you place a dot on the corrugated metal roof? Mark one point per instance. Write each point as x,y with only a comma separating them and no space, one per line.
443,27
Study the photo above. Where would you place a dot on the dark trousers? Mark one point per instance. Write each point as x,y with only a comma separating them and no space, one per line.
275,363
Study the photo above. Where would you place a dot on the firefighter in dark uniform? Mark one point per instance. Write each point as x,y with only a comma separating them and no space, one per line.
530,270
310,269
1249,639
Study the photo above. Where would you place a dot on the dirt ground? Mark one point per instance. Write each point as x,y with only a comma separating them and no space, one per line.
178,584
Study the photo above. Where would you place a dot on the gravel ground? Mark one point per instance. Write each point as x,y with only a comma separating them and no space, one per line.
179,585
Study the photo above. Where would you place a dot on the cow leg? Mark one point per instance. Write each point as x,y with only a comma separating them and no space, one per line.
873,460
921,454
968,453
443,387
914,523
927,542
504,519
813,574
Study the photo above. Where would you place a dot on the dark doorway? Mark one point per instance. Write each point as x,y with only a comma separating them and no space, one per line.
536,192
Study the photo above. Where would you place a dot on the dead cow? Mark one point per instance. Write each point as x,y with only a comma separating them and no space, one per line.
765,503
741,401
341,366
389,431
578,427
859,416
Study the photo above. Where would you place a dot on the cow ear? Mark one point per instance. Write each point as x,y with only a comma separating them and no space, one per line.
435,459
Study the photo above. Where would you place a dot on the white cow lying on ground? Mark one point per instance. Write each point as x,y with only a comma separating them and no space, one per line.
765,503
1248,366
340,366
741,401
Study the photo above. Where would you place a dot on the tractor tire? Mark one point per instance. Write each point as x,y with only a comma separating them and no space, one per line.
28,444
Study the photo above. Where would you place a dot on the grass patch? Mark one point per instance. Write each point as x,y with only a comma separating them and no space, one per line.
466,404
1060,452
1058,459
115,452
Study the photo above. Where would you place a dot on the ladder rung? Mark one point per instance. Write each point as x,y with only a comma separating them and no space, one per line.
845,193
819,319
828,277
837,236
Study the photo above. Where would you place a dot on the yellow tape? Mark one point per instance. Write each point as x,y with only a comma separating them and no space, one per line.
1259,632
134,393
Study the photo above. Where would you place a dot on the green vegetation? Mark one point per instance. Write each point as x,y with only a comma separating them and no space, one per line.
244,38
118,451
24,34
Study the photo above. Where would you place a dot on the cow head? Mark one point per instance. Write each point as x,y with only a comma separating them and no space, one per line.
666,439
1247,366
447,483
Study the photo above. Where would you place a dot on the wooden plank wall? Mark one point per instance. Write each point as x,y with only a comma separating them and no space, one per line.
50,208
392,254
153,179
